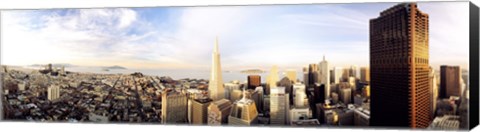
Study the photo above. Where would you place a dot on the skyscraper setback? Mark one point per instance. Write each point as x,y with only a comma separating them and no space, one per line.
399,62
215,85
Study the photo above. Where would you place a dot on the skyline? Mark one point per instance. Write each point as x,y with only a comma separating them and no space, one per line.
142,38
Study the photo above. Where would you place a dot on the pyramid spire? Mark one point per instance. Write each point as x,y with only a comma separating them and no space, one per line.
216,45
215,85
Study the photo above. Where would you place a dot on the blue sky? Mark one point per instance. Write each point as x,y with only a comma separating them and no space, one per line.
290,36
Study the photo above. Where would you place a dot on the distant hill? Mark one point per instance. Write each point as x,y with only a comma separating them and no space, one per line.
115,67
54,65
253,71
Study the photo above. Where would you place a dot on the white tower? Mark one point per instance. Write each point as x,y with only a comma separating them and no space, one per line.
215,85
324,76
273,77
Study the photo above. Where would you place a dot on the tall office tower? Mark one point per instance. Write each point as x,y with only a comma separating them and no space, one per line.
399,62
244,112
229,88
292,75
337,74
332,76
345,94
355,71
189,110
434,89
319,93
174,107
365,75
324,76
218,112
272,77
299,94
285,82
199,111
215,85
450,81
279,106
312,74
258,97
53,92
254,81
235,95
353,83
305,75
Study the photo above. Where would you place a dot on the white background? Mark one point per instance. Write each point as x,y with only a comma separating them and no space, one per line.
74,127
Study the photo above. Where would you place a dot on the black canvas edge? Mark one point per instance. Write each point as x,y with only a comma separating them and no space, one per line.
1,74
474,66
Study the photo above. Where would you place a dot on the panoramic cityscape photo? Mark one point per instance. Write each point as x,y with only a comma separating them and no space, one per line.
388,65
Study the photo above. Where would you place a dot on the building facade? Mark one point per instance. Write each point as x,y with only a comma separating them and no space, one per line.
174,107
200,111
399,66
324,76
243,113
215,84
254,81
218,112
279,106
53,92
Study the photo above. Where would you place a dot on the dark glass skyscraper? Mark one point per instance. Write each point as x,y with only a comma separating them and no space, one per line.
450,84
399,61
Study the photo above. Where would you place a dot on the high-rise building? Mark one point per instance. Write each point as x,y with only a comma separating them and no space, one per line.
229,88
312,74
218,112
299,95
292,75
254,81
244,112
434,89
319,93
215,85
235,95
53,92
279,106
174,107
305,76
450,81
338,73
345,94
257,97
272,77
365,75
399,68
285,82
355,71
199,111
324,76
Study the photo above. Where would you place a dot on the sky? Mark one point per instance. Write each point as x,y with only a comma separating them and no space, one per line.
289,36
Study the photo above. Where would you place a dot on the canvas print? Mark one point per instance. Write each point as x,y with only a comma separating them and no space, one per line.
365,65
